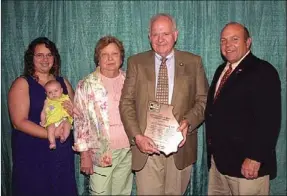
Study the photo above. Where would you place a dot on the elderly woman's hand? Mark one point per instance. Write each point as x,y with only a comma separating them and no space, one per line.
86,163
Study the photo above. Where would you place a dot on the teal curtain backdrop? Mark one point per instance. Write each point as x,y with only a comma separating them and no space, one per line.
75,27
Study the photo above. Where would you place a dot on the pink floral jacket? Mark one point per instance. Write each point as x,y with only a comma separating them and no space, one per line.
91,127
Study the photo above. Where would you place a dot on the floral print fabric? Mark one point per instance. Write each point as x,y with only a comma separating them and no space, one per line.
91,127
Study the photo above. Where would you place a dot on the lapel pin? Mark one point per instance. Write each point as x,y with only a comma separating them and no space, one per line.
239,71
181,64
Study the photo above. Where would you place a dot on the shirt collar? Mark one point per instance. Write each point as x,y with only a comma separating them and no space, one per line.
169,56
234,65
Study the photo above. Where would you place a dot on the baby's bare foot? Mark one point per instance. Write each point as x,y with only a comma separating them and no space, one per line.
62,139
52,146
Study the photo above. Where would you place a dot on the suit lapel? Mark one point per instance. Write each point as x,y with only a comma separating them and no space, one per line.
179,67
150,74
214,82
236,74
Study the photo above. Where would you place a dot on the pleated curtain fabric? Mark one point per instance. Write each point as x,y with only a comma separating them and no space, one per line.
162,83
76,26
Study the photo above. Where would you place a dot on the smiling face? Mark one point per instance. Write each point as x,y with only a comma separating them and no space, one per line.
53,90
110,59
43,59
162,35
233,44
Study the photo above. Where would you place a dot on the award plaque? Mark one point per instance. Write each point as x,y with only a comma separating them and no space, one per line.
162,127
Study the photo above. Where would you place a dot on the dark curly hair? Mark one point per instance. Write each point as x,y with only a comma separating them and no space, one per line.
105,41
29,69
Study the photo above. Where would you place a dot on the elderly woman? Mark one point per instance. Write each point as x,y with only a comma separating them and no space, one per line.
36,169
99,133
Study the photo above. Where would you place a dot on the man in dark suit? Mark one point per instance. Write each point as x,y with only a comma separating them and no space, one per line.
157,174
242,118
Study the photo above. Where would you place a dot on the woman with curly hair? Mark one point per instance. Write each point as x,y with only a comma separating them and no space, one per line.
36,169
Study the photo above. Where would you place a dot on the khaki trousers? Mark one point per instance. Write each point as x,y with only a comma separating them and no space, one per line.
226,185
161,177
114,180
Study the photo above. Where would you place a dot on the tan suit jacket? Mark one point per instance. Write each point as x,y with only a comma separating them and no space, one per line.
188,99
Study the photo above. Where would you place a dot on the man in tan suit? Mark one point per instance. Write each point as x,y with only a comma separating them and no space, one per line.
157,174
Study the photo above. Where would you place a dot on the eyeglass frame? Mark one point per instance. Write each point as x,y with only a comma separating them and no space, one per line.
41,55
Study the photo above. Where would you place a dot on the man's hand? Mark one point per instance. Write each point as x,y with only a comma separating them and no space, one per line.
86,163
146,145
183,127
250,168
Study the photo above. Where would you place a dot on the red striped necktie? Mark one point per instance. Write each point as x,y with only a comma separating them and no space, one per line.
223,80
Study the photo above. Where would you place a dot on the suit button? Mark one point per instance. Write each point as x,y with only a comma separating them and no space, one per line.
210,115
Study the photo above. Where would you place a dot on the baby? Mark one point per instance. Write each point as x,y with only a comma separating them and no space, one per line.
53,116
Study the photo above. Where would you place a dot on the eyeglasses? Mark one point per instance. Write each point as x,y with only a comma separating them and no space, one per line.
41,56
106,56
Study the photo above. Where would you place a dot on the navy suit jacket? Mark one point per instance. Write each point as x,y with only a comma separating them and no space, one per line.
244,120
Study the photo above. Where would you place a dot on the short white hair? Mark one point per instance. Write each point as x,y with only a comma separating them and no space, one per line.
155,17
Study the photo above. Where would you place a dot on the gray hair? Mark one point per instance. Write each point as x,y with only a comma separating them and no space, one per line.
155,17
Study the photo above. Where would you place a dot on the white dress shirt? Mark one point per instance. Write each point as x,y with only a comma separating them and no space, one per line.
234,65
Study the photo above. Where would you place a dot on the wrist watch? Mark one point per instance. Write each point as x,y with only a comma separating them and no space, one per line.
133,141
